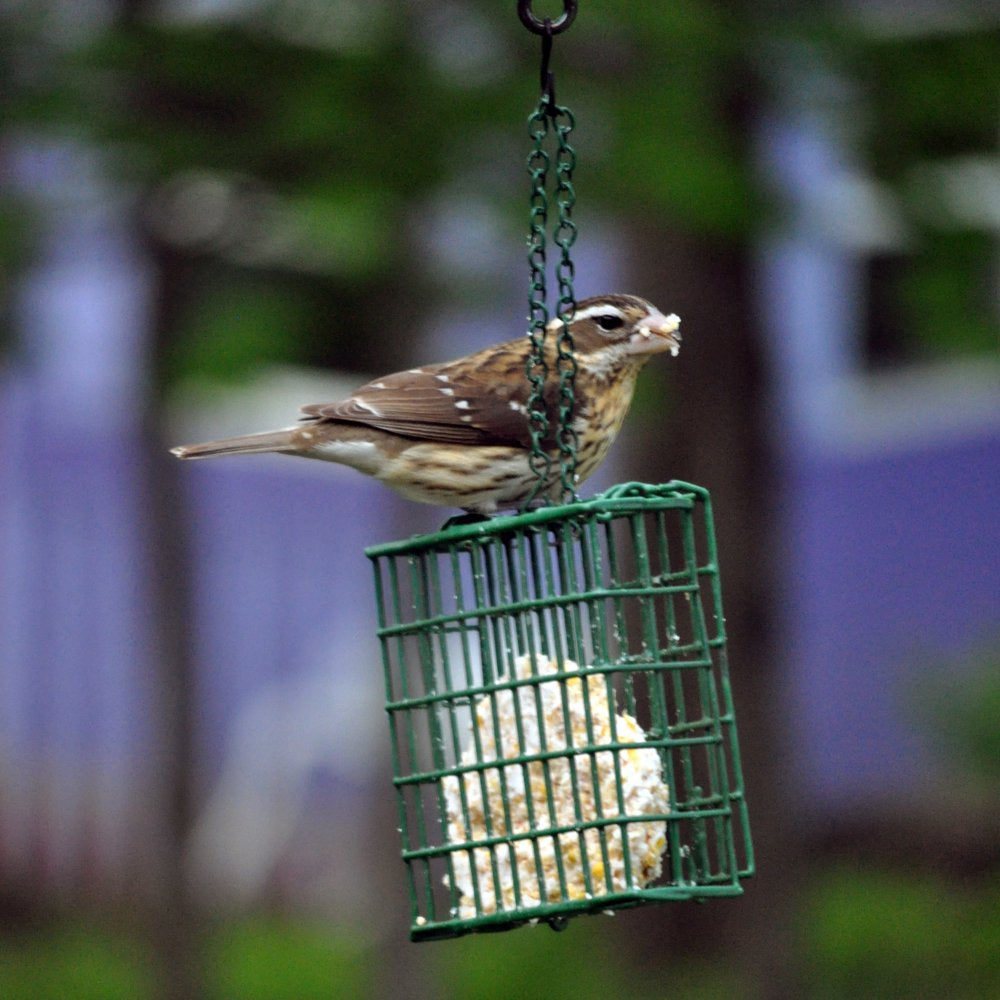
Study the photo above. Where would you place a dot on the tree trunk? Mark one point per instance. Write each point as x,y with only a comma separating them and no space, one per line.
713,432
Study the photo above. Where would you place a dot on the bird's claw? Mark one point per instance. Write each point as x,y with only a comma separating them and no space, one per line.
469,517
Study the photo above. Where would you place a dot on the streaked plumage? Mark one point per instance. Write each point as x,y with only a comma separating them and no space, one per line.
456,434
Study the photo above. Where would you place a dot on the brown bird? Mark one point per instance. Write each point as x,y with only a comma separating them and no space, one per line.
457,434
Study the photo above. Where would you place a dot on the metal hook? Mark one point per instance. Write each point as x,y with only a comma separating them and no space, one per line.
548,26
547,77
547,29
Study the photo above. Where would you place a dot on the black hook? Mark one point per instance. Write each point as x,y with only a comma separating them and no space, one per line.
547,29
548,78
548,26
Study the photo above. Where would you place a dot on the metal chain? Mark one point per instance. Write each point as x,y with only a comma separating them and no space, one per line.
537,369
540,417
564,237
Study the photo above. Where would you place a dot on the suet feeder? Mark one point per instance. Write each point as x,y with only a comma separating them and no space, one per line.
561,722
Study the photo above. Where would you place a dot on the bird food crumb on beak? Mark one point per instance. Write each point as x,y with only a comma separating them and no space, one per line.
671,329
665,328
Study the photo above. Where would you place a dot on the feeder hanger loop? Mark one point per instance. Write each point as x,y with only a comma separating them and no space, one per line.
547,28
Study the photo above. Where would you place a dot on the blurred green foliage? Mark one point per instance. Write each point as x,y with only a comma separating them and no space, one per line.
586,963
947,291
874,933
330,129
75,960
275,959
235,326
937,90
865,932
960,707
930,105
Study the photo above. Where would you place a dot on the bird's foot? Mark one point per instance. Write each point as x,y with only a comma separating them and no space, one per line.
469,517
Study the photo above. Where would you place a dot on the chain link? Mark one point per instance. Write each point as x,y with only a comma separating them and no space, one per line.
551,424
564,237
537,370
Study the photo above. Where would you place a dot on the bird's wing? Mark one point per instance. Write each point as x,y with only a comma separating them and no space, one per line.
479,400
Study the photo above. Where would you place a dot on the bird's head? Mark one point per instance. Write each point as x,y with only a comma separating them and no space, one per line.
620,328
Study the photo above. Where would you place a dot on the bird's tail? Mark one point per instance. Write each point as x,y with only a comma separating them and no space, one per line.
249,444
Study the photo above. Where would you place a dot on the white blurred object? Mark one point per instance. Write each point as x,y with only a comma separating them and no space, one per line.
287,733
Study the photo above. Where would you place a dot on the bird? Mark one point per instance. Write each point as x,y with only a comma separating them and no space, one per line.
458,434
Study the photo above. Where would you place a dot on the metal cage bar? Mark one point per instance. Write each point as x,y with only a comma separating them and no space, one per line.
561,722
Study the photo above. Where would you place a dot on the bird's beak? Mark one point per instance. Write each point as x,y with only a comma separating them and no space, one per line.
658,333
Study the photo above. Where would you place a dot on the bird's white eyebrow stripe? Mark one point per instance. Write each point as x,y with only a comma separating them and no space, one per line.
600,310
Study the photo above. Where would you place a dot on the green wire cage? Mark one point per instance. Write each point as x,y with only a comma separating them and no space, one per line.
562,729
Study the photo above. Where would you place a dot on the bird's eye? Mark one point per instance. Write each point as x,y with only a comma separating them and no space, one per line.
609,321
